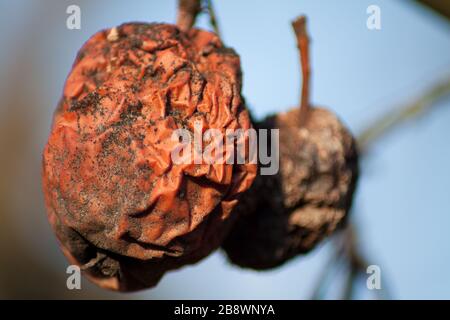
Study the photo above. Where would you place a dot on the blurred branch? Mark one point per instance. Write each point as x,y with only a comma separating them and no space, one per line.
357,263
393,118
335,261
346,240
440,6
213,17
347,258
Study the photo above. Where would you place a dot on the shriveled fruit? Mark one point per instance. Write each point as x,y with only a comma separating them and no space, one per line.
291,212
121,208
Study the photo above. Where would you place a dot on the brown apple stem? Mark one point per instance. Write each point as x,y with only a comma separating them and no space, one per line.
299,26
187,13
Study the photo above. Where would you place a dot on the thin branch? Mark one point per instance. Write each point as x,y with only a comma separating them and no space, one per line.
346,254
299,26
336,260
213,18
379,128
359,263
348,292
187,13
439,6
347,247
393,118
356,260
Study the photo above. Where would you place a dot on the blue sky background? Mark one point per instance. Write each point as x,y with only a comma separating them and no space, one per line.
402,206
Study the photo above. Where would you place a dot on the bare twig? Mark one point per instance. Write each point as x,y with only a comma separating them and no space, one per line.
336,260
346,242
349,288
439,6
213,18
357,263
187,13
393,118
299,26
346,254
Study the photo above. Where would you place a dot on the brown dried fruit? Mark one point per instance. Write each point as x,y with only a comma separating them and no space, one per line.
119,206
290,213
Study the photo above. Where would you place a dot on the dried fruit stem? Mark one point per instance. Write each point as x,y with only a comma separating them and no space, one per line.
187,13
299,26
